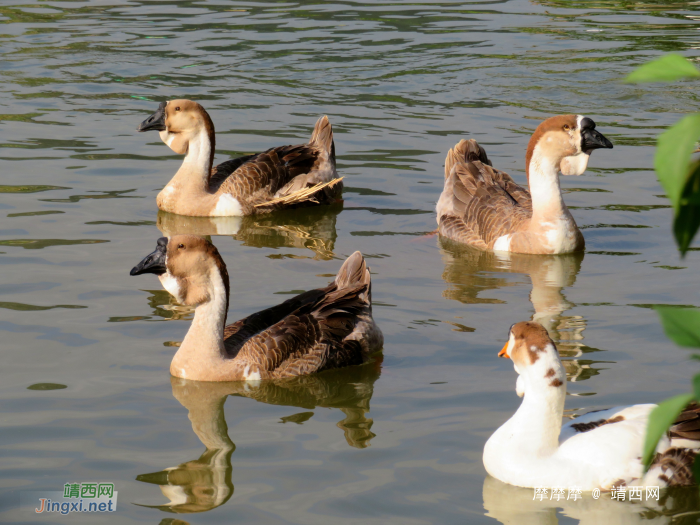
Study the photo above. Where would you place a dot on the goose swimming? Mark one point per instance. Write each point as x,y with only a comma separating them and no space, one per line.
600,449
277,178
329,327
483,207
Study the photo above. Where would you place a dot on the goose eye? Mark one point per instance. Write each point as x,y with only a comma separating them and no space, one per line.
566,127
181,246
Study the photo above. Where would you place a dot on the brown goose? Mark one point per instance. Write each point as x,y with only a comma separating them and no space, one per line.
483,207
330,327
277,178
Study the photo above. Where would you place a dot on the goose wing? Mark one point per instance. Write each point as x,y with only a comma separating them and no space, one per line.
320,329
237,334
613,439
257,178
479,204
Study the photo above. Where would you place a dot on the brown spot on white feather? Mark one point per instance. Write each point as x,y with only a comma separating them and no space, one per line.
585,427
555,383
550,372
619,483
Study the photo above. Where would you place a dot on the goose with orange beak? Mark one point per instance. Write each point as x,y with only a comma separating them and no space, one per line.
600,449
483,207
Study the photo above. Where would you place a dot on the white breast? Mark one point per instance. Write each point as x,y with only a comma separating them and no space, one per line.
561,235
248,375
502,244
227,206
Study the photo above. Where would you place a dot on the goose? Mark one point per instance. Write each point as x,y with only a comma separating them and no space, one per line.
483,207
277,178
326,328
600,449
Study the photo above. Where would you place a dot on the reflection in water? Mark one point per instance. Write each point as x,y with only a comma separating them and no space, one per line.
164,305
205,483
469,272
173,521
314,229
515,505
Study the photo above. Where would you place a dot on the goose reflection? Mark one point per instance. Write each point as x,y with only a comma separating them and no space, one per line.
205,483
515,505
313,230
469,273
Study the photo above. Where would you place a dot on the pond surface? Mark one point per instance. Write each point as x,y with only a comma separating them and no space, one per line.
85,393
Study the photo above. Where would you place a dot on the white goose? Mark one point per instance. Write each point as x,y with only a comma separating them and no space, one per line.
483,207
598,450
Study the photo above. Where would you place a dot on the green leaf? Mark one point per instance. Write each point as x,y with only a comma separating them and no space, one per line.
665,69
687,220
672,161
660,419
682,325
696,386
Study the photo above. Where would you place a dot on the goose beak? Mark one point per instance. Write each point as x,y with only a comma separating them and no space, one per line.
592,139
153,262
504,351
155,121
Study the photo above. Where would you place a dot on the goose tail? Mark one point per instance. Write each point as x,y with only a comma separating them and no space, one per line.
674,465
316,194
355,272
322,137
465,151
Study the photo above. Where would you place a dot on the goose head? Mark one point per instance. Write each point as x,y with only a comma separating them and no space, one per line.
535,358
180,122
189,267
564,142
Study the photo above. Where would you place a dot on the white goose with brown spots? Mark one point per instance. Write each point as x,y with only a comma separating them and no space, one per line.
280,177
330,327
598,450
483,207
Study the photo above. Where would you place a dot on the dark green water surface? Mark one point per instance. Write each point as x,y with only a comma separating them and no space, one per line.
85,393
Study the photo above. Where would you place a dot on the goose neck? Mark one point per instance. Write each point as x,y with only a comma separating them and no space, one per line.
537,423
202,351
200,153
543,178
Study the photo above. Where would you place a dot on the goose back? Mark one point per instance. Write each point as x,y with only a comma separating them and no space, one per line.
479,203
279,172
326,328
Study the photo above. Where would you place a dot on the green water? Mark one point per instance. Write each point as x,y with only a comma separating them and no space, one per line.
85,393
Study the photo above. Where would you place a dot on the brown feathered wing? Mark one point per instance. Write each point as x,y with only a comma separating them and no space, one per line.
256,179
309,332
479,203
